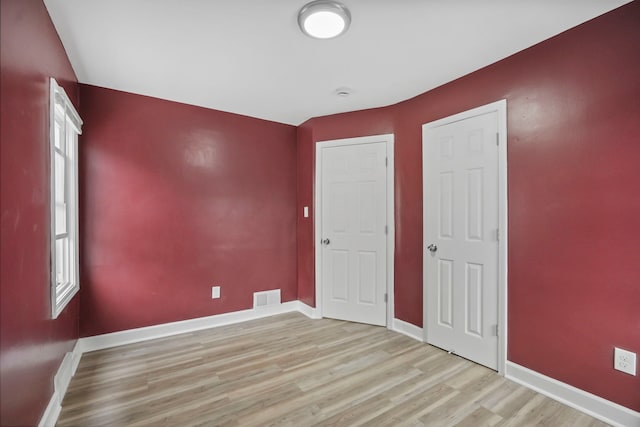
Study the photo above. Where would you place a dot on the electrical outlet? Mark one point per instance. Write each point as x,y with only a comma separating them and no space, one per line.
624,361
215,292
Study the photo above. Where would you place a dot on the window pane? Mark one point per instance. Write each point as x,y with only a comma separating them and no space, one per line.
58,134
62,260
60,194
60,174
61,224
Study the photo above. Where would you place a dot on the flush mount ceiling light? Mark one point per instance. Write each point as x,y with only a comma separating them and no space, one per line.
324,19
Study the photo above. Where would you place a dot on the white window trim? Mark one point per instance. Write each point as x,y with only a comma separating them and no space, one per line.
72,120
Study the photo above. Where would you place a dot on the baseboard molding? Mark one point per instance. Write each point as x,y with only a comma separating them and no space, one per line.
61,381
310,312
50,416
590,404
130,336
407,329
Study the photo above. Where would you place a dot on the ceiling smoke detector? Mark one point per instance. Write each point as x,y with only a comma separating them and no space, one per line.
324,19
343,92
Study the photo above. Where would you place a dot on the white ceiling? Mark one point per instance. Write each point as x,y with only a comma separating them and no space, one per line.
249,56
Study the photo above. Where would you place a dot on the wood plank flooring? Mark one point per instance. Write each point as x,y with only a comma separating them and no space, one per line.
289,370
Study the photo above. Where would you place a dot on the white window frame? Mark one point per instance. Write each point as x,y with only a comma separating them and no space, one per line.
63,112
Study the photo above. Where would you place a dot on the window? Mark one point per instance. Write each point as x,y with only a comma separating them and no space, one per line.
65,126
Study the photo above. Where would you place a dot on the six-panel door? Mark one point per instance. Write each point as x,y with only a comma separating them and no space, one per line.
461,220
353,217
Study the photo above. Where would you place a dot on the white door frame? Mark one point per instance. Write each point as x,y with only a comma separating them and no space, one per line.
388,140
500,107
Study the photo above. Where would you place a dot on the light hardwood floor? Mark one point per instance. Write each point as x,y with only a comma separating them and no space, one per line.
289,370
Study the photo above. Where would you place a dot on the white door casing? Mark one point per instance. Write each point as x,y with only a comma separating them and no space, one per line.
464,209
354,219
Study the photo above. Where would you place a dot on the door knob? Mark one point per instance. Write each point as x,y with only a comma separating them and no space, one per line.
325,241
432,248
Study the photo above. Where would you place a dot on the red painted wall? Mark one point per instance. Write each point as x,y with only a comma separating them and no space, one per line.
574,197
175,199
305,175
32,345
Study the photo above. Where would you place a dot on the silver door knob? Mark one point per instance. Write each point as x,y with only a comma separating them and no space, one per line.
432,247
325,241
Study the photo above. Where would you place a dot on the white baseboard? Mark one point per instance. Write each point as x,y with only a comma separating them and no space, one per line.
407,329
310,312
99,342
50,416
590,404
61,381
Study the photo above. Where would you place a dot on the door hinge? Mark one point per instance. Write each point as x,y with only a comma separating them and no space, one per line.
386,161
386,229
498,234
386,297
497,138
496,330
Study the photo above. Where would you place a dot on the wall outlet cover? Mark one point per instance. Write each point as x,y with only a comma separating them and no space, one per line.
624,361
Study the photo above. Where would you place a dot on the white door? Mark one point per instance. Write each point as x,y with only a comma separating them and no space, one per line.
352,232
460,208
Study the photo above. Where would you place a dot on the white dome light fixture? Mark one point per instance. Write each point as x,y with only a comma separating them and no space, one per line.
324,19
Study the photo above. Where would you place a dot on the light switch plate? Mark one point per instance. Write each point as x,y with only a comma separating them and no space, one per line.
215,292
306,211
